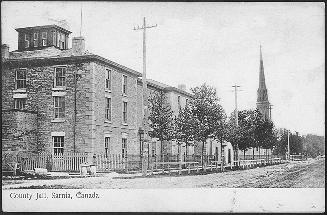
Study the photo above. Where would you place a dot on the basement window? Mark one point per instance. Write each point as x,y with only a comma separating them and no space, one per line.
20,104
58,145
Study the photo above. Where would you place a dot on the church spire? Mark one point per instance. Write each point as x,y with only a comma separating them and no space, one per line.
262,100
262,81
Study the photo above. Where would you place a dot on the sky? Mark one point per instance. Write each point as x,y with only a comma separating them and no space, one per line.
215,43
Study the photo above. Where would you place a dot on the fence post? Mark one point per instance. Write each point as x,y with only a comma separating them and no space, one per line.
126,163
189,168
180,168
169,168
152,164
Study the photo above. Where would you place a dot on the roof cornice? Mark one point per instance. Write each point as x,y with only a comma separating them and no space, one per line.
12,63
166,89
43,27
170,89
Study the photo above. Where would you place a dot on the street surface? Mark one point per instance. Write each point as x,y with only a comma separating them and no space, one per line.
295,174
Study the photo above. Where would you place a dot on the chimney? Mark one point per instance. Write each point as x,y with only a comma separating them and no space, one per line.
78,45
5,51
182,87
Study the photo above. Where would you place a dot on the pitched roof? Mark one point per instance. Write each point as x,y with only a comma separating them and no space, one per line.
165,87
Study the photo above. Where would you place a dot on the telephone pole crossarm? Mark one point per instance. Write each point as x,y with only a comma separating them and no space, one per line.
142,28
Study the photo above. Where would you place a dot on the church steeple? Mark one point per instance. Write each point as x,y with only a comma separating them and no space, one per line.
262,81
262,100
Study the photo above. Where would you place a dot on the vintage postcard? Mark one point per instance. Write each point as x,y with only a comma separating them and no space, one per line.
163,106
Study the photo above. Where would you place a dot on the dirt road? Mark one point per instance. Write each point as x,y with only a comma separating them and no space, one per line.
310,174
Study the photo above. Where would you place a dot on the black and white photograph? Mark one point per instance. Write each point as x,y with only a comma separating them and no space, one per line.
163,106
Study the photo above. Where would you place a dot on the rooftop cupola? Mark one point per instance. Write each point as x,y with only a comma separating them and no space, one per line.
39,37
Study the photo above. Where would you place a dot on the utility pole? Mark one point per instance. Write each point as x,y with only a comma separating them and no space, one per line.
145,111
270,107
236,113
75,108
80,30
288,144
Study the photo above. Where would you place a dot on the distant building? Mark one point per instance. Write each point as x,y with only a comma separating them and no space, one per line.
178,99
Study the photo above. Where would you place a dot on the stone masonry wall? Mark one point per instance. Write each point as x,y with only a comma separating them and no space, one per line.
19,131
115,129
39,93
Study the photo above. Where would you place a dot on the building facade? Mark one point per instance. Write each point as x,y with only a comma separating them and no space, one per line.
69,100
178,99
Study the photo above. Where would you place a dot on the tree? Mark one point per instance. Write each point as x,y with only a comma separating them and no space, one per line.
247,128
244,135
264,134
314,145
281,145
161,118
185,126
295,141
208,113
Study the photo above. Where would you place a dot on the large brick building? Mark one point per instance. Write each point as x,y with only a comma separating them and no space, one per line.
69,100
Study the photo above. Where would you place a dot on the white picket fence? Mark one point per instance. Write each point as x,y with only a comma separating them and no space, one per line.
70,162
